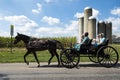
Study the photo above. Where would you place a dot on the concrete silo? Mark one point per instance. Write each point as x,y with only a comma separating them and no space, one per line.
109,31
87,14
80,28
92,27
101,27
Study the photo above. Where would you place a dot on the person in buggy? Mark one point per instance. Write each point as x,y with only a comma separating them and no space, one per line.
85,40
100,40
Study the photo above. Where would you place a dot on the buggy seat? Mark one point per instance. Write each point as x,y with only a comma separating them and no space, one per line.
86,46
103,44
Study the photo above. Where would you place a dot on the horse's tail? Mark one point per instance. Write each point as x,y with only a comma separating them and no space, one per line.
59,45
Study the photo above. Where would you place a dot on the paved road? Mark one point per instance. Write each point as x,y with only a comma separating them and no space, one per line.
86,71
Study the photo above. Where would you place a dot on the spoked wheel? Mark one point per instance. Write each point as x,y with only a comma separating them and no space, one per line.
107,56
93,54
69,59
93,58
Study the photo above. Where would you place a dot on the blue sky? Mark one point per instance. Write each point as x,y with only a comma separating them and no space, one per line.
48,18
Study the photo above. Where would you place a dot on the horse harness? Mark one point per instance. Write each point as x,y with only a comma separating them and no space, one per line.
38,43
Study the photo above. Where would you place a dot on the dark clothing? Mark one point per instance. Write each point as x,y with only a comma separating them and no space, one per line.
85,41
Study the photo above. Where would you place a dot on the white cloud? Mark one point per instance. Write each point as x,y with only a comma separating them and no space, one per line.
65,30
115,21
1,17
22,23
73,26
38,10
78,15
50,1
29,27
4,33
35,11
50,20
95,13
115,25
116,11
50,31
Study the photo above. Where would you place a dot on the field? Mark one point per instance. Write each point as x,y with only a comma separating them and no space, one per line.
17,55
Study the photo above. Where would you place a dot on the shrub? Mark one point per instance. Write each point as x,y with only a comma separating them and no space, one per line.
66,41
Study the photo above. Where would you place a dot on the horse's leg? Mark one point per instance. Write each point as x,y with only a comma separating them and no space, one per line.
35,55
57,56
28,52
52,55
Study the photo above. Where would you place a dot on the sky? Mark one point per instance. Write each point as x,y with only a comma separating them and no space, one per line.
54,18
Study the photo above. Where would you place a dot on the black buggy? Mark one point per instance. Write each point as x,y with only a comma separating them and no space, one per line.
105,55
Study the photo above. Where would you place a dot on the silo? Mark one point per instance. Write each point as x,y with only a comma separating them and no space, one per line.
92,27
87,14
109,31
101,27
80,28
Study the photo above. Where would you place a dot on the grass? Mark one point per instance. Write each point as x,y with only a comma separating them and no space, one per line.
18,53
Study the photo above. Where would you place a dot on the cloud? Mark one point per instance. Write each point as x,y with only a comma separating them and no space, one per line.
50,20
115,25
71,0
115,21
50,1
116,11
38,10
29,27
65,30
50,31
1,17
78,15
22,23
72,26
4,33
95,13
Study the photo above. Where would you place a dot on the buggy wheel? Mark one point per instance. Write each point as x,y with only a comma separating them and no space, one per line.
69,59
93,58
93,54
107,56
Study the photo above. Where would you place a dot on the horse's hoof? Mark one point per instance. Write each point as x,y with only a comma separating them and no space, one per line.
58,65
48,64
27,63
38,65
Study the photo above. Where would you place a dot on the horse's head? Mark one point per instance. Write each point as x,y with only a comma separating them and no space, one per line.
22,37
17,38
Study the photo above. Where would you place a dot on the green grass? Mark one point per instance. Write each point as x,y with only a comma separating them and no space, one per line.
18,53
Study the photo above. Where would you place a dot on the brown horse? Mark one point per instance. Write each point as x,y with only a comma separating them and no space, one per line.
34,44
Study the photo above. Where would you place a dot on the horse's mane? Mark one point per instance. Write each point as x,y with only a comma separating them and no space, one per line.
25,35
29,37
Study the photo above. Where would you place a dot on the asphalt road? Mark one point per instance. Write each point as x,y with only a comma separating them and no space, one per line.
86,71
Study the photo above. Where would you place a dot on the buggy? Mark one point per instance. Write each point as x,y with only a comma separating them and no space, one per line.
103,54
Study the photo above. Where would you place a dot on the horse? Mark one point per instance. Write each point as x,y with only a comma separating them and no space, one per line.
35,44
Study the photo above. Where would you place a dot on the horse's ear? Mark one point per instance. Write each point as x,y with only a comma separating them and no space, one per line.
18,33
